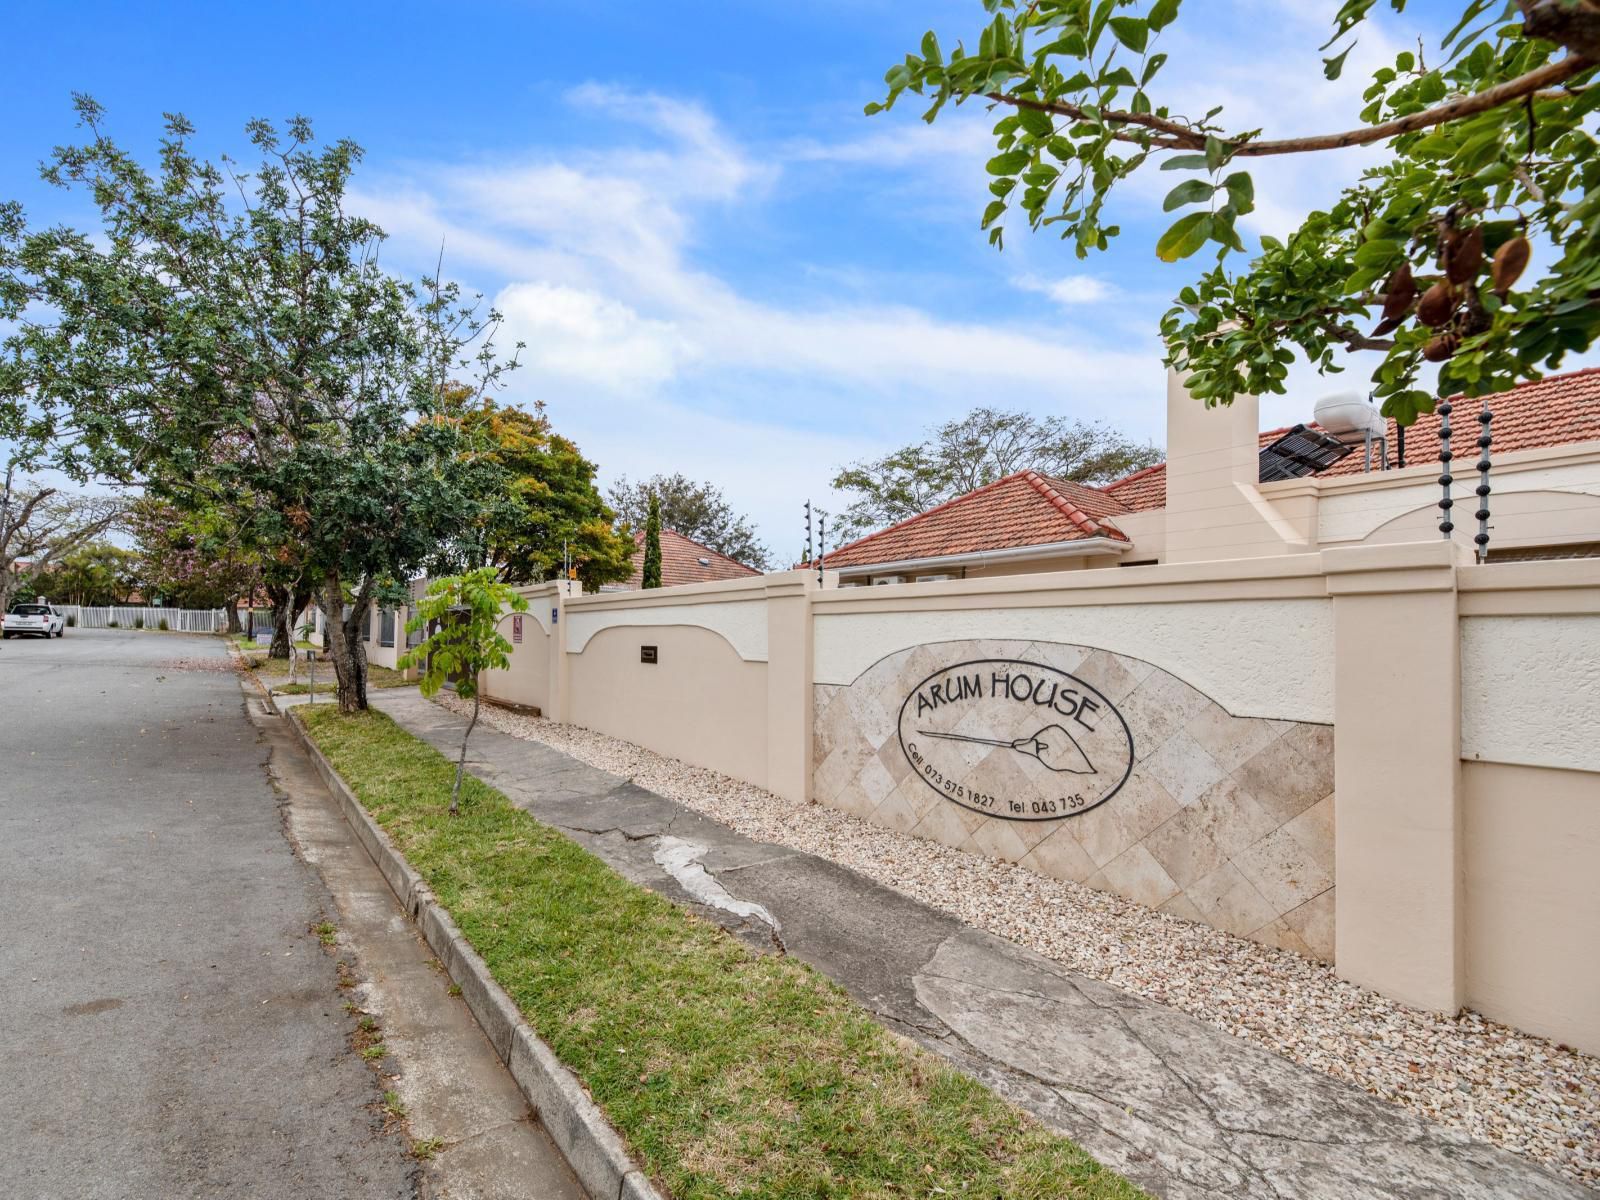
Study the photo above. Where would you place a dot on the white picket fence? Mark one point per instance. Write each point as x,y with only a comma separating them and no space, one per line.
179,620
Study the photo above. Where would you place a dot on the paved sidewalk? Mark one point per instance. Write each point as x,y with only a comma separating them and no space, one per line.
1182,1108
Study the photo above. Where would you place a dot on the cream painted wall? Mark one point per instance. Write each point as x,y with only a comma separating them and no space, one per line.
701,702
1256,658
1532,842
741,623
527,680
1531,504
1530,690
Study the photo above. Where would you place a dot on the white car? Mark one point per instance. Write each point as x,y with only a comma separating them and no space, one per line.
35,620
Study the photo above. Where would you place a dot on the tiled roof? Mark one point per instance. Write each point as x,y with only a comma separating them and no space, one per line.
1024,509
1557,411
681,562
1027,509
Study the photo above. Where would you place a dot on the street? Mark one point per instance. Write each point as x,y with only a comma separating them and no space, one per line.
169,1023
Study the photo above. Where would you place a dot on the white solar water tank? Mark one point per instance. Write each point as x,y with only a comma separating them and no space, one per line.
1349,417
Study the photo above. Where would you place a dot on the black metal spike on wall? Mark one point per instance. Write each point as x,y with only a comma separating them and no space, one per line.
1445,478
810,552
1484,441
822,543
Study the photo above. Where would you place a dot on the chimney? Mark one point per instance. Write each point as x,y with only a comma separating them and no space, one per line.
1215,509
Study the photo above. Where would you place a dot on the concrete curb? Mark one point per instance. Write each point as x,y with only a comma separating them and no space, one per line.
574,1122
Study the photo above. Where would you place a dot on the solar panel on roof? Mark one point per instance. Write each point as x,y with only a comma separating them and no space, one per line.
1299,453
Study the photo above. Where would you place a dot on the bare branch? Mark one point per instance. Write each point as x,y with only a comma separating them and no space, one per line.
1177,136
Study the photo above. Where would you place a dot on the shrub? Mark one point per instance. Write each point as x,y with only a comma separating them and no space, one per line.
138,622
112,625
162,625
72,620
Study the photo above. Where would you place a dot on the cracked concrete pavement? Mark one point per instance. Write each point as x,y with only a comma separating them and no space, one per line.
1178,1106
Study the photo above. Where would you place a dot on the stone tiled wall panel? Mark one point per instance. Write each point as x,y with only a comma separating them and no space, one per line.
1223,820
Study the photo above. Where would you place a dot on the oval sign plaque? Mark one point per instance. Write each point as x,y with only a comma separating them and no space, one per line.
1016,740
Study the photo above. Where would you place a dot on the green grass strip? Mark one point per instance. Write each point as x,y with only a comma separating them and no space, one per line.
729,1072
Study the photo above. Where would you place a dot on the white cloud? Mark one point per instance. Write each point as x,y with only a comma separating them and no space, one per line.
1074,289
589,337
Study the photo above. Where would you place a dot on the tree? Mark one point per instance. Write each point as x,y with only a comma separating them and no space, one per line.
697,511
538,506
96,574
229,339
191,559
983,446
40,524
1490,149
464,612
651,573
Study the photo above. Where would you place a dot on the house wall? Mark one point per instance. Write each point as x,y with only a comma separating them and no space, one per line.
1379,755
1540,498
379,655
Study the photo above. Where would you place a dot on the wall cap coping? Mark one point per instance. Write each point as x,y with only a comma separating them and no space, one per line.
1394,567
1517,576
753,587
1274,568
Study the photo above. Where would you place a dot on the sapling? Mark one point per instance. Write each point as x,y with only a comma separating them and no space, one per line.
464,612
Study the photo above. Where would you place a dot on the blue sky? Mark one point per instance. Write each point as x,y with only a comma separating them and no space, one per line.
719,265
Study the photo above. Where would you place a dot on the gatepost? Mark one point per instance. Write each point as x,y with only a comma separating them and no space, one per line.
789,703
1397,770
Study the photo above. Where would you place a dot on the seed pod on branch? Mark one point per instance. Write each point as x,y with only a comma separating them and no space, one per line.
1440,348
1400,293
1466,256
1509,263
1438,304
1387,326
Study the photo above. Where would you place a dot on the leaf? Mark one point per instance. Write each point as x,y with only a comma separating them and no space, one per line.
1190,191
1132,32
1161,14
993,213
1241,191
1009,163
1332,66
1186,236
1186,162
1217,152
930,47
1035,122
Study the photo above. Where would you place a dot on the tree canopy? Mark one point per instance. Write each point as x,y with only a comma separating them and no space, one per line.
1491,153
696,510
537,502
976,449
229,338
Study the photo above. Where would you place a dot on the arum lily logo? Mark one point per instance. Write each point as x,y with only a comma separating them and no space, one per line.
1016,740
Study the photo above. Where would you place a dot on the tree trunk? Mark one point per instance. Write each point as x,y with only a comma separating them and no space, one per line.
234,628
282,599
346,649
461,759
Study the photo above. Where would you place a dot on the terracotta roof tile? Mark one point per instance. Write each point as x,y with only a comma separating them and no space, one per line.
1024,509
680,562
1557,411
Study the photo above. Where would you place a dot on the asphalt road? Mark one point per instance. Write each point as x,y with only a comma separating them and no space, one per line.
169,1026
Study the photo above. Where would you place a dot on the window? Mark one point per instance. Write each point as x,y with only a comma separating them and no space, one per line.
386,628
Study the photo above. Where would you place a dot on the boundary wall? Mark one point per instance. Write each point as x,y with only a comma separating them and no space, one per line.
1383,756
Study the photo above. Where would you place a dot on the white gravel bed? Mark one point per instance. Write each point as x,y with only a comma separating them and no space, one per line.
1524,1093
